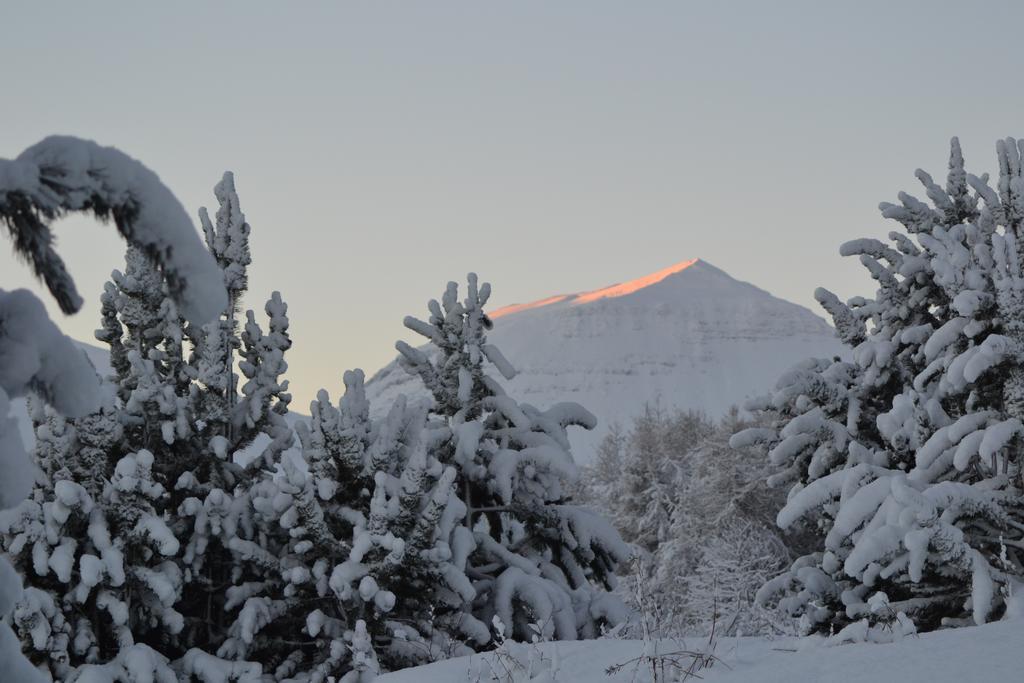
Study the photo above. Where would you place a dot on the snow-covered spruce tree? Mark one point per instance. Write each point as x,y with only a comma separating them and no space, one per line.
535,558
152,485
907,458
213,496
408,535
59,175
99,568
155,412
235,432
218,342
93,540
357,544
116,545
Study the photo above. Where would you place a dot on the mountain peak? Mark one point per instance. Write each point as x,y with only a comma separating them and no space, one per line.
609,292
624,288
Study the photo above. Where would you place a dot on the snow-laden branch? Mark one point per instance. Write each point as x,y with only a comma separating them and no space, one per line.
63,174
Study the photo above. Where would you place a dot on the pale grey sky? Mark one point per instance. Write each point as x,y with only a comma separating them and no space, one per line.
381,149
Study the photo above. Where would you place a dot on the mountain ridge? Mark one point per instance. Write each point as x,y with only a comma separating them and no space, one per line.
611,291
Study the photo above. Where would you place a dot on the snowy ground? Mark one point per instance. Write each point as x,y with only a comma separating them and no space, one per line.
994,652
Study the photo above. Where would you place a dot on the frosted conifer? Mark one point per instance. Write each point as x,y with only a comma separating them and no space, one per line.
158,450
234,437
357,546
228,241
906,458
56,176
406,536
530,556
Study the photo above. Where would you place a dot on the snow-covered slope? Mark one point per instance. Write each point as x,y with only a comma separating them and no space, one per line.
981,653
689,336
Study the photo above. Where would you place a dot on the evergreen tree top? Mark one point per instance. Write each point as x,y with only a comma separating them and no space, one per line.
906,454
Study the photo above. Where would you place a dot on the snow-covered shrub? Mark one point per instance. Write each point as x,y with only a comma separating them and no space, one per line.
663,659
514,662
907,457
735,559
700,518
638,477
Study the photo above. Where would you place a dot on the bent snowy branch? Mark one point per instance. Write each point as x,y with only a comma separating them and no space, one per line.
63,174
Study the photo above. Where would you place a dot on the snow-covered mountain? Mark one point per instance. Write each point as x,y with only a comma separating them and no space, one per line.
688,336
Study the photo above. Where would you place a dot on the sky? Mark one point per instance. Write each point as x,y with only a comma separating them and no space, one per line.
381,149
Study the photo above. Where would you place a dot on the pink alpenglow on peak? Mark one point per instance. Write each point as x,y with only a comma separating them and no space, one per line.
516,308
636,285
621,289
